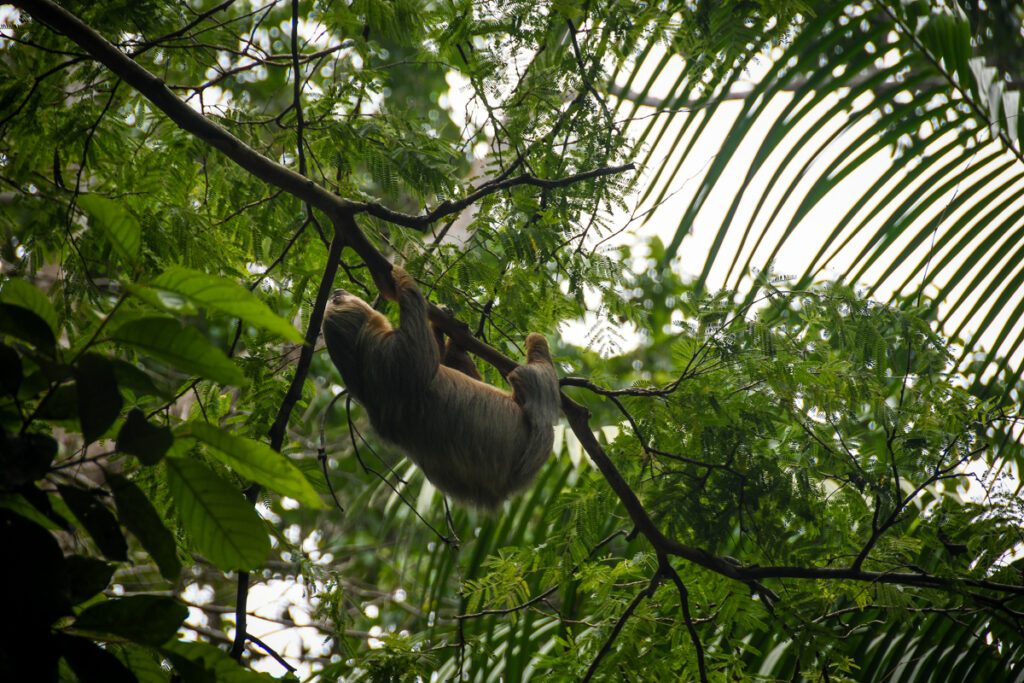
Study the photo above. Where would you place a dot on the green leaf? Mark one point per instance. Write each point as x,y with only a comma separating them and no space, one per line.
91,663
101,404
184,348
258,462
140,517
62,404
138,381
117,224
221,294
21,293
21,504
146,442
40,575
97,520
87,576
146,663
223,525
209,664
24,459
24,324
144,619
11,372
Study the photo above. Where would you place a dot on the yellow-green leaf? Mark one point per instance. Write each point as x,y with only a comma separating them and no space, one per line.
257,461
221,294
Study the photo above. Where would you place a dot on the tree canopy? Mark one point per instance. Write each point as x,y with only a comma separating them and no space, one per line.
779,478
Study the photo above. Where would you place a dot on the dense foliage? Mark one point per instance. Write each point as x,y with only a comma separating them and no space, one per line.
788,481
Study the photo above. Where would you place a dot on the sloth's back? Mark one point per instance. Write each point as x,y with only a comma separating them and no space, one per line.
470,439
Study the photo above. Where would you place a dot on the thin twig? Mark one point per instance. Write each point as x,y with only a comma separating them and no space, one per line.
626,614
684,600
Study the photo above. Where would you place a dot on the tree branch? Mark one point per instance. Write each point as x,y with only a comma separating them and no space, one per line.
156,91
447,208
153,89
666,568
647,592
280,426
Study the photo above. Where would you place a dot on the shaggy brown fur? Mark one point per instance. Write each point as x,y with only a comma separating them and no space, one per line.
473,441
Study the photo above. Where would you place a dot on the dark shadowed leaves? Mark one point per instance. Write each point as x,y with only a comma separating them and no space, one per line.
139,517
35,504
10,370
97,520
132,378
25,459
144,619
91,663
40,577
61,405
146,442
21,293
27,326
202,663
99,401
87,576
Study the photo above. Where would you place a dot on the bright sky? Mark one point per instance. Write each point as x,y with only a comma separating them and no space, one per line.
801,248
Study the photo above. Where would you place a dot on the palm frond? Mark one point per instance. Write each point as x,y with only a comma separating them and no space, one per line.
875,148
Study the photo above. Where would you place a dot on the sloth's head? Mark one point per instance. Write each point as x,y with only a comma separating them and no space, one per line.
347,313
537,348
348,321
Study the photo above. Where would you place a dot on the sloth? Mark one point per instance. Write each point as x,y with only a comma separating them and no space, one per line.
474,442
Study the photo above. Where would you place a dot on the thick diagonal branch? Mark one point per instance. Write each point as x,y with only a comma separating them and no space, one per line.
156,91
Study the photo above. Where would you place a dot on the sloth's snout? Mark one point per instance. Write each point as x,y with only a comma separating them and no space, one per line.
338,296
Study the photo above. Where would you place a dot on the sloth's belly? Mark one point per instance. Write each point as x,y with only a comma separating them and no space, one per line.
478,450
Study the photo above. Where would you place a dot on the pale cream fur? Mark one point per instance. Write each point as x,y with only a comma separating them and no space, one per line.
474,442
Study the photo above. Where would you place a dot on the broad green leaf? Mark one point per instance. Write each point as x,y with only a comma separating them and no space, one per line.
184,348
19,504
101,404
26,325
97,520
21,293
117,224
40,575
131,377
87,576
24,459
62,404
145,619
213,662
139,517
146,663
221,294
146,442
11,372
223,525
91,663
258,462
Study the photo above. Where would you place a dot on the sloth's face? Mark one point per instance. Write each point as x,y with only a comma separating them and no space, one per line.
347,304
341,296
347,315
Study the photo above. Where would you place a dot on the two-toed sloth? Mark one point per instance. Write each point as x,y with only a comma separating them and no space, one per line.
474,442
